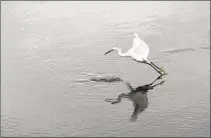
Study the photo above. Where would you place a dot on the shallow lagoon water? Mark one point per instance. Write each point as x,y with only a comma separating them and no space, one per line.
48,47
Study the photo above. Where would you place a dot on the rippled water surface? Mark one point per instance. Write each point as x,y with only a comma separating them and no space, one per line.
51,51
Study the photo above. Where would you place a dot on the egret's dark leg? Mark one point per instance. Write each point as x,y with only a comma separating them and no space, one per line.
154,68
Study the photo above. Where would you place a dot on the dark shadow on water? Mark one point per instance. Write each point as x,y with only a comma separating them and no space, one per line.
108,79
138,96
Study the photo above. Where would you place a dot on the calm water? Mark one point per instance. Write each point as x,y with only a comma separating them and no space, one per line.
47,47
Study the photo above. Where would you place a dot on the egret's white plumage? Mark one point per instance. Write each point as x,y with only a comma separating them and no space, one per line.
140,49
139,52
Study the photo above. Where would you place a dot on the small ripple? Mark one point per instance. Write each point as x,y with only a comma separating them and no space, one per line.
178,50
205,47
9,125
160,61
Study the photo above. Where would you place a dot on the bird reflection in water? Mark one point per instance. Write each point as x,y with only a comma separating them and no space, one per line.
138,96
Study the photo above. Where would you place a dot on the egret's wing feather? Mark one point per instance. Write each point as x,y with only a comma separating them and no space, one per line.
136,42
140,49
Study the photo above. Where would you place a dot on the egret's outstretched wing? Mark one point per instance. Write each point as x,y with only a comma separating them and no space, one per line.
136,41
139,48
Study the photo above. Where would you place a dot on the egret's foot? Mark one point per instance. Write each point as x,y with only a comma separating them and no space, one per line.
162,71
165,73
161,75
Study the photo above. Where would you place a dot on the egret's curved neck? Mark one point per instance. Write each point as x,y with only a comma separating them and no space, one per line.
119,50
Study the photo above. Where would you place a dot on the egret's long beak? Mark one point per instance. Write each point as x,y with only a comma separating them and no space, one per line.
108,51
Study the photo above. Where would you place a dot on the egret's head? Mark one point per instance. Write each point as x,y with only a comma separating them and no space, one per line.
113,49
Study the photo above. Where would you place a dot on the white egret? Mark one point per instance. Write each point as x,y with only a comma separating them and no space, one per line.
139,52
